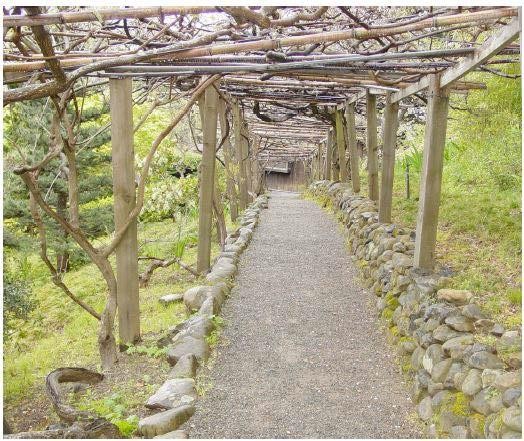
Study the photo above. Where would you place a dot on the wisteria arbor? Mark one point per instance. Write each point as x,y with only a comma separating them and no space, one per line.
282,83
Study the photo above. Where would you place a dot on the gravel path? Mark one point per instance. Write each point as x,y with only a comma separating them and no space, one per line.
302,356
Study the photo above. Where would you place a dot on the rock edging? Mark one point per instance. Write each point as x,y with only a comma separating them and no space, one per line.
463,388
187,346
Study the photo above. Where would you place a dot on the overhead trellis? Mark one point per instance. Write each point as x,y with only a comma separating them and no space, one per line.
286,83
314,57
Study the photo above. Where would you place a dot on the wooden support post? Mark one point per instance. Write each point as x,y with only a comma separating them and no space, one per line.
327,163
207,179
239,152
341,145
352,147
335,170
256,166
319,161
388,159
247,161
228,156
371,114
431,177
124,201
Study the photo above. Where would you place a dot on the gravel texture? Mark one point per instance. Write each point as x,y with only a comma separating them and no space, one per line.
302,354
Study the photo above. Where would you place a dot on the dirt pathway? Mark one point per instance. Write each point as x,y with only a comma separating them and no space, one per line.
302,356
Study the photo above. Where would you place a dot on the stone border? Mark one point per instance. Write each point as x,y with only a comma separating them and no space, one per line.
463,388
187,345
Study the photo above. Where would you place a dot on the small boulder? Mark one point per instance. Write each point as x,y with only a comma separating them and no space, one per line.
425,409
444,333
508,380
485,360
472,383
170,298
164,422
459,323
459,432
188,345
472,311
456,346
455,296
512,418
511,396
479,403
440,370
173,393
185,367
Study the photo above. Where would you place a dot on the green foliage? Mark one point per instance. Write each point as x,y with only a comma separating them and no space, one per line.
150,351
114,409
18,302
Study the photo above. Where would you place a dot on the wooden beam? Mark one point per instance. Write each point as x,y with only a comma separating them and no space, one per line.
227,148
371,115
327,164
488,49
491,47
207,179
388,160
352,147
341,144
431,177
124,202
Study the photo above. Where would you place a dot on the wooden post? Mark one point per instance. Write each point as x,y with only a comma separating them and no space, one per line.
319,161
341,144
352,147
124,201
327,164
228,150
388,159
239,152
207,179
371,114
431,178
247,161
335,170
256,166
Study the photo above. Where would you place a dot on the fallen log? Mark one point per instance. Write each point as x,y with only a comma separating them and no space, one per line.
74,424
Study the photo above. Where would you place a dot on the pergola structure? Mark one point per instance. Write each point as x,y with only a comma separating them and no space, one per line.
290,81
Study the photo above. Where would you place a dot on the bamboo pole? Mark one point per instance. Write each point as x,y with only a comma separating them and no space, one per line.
207,179
341,144
431,177
388,160
101,15
321,37
371,115
352,147
124,202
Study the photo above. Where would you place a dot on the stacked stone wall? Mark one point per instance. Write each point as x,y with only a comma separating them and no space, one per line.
465,369
186,343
